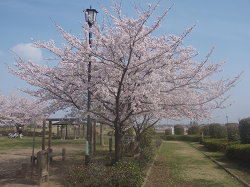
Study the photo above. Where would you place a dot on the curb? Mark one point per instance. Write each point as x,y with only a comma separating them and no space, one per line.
146,178
238,178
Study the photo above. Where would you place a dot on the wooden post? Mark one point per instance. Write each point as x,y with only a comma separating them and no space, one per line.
79,128
50,133
66,131
57,131
63,154
94,139
24,170
74,132
44,128
202,140
43,166
110,145
101,135
61,132
82,131
132,148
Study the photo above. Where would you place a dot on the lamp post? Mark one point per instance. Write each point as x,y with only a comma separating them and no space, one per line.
90,17
227,118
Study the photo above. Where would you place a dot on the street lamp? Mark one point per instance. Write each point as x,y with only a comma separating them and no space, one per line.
90,17
227,118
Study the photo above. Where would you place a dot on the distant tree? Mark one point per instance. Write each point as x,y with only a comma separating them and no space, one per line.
233,132
205,130
244,128
20,110
216,130
195,129
178,130
167,132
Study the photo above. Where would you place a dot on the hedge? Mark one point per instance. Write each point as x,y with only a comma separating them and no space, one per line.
244,128
239,152
218,144
190,138
178,130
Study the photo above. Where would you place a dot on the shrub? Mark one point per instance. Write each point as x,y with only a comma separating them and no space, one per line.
205,130
218,144
244,128
239,152
167,132
97,174
46,132
191,138
111,133
195,129
233,133
130,131
178,130
216,130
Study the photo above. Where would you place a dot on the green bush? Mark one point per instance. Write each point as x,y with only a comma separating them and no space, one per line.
167,132
218,144
244,128
97,174
178,130
130,131
195,129
205,130
216,130
46,133
111,133
233,132
239,152
190,138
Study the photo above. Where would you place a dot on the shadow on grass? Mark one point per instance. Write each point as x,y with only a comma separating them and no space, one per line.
240,168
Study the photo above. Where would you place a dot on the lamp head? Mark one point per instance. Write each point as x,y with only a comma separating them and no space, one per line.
90,15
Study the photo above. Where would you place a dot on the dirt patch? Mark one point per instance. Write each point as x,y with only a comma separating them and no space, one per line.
11,160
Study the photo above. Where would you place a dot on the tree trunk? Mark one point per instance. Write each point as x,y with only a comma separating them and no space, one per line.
118,146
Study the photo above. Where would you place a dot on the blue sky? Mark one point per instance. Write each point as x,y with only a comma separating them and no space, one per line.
225,23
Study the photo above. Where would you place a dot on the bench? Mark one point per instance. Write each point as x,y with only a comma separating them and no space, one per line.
58,153
51,155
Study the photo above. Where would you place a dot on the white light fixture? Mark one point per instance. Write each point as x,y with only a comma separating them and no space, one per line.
90,15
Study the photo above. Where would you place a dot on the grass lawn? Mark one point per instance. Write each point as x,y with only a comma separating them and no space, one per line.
180,164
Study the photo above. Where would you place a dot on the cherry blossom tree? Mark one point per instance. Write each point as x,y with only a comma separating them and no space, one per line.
134,73
20,110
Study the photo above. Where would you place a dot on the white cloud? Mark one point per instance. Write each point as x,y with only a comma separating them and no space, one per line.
1,53
27,52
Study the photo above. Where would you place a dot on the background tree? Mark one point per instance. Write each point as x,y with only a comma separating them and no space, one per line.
205,129
233,131
244,128
20,110
195,129
216,130
167,132
134,73
178,130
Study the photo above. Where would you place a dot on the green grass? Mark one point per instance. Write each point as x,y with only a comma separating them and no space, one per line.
238,168
180,164
27,142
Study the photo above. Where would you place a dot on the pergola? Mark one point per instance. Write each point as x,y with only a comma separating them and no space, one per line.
60,121
69,121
